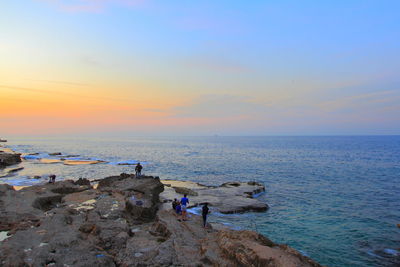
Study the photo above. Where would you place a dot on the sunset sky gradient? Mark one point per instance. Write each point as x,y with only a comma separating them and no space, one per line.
146,67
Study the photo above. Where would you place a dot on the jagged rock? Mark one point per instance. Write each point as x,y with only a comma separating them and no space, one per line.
141,210
55,154
7,159
109,181
246,248
106,227
89,228
229,184
48,202
15,170
4,188
184,190
81,181
228,198
160,229
68,187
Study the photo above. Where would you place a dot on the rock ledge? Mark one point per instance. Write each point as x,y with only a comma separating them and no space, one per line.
119,223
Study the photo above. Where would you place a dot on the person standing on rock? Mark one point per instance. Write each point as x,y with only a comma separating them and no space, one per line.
52,179
204,212
184,203
138,170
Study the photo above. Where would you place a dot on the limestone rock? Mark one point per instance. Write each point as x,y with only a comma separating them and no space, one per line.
47,202
67,187
246,248
119,224
81,181
228,198
184,190
7,159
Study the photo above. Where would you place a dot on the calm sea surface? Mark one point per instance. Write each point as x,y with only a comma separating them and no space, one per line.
336,199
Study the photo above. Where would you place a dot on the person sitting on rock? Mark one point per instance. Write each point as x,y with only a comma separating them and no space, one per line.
138,170
174,204
52,179
184,203
178,208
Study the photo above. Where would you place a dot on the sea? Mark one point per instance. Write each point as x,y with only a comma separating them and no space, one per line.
335,199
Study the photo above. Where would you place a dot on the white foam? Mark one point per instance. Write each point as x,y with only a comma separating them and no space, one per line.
369,252
390,251
3,235
195,210
258,194
303,253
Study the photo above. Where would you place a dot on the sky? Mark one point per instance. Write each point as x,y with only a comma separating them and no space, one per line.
146,67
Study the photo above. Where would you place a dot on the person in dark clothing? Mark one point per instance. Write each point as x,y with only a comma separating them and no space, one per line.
178,208
52,178
138,170
205,210
174,204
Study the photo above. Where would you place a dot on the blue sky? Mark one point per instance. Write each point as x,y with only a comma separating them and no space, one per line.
185,67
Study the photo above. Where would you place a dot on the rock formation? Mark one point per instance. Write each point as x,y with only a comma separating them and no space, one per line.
119,224
7,159
232,197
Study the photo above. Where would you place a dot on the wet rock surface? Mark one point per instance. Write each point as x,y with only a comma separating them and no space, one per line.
120,224
8,159
228,198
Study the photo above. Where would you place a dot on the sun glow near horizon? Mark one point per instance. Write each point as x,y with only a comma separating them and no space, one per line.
199,68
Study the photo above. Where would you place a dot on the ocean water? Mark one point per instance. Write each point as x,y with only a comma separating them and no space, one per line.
335,199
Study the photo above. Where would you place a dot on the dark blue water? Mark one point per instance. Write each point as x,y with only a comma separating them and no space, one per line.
336,199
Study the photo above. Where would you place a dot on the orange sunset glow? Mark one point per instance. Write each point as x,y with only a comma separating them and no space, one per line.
140,68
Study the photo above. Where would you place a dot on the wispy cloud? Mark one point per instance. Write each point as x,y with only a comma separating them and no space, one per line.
91,6
51,92
366,100
91,61
217,64
59,82
219,106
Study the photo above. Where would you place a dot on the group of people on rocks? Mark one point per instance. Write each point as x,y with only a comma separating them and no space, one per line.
180,207
138,173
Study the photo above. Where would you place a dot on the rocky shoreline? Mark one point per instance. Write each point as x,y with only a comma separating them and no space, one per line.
122,222
228,198
126,221
8,159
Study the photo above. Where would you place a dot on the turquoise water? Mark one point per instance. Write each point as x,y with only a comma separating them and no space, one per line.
336,199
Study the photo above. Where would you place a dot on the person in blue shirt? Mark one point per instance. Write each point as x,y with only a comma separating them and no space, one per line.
184,204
